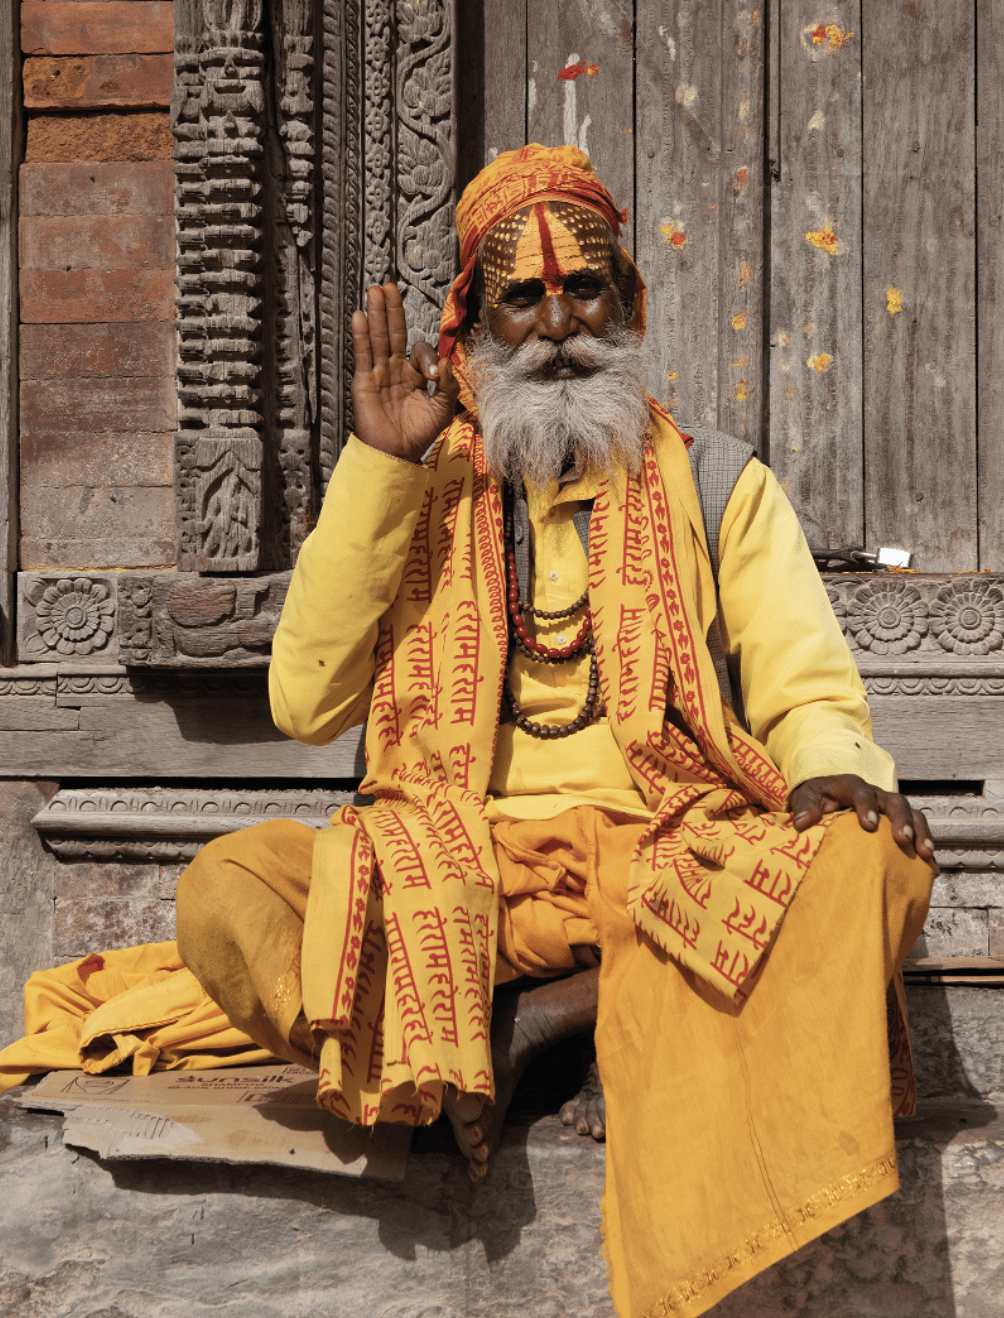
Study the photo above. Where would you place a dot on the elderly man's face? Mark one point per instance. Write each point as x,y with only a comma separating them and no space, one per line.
548,274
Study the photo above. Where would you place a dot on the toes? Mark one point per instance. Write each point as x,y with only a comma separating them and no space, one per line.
463,1108
567,1113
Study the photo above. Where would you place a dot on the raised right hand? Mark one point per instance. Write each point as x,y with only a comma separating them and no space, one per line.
393,410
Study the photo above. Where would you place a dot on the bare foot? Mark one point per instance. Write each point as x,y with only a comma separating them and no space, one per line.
524,1023
587,1111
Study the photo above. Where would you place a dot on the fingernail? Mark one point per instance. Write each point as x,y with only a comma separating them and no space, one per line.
908,831
801,817
871,818
433,370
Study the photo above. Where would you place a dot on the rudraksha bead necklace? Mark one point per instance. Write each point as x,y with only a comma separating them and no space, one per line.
549,654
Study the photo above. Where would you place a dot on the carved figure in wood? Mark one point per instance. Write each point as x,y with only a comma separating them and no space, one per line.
576,822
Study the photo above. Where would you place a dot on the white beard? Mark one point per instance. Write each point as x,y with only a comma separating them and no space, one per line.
532,423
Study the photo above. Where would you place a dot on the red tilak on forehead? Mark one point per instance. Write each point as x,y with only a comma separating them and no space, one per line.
552,271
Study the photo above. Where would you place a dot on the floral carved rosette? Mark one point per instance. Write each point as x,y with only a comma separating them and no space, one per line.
967,617
887,617
75,615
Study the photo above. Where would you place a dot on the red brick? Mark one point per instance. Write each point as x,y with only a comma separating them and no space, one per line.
95,526
71,82
97,189
96,137
83,27
67,351
96,242
63,460
97,405
136,550
56,297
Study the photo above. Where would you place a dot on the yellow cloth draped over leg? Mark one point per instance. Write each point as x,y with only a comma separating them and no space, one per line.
735,1134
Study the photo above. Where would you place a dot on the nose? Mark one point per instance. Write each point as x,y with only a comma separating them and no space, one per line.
555,318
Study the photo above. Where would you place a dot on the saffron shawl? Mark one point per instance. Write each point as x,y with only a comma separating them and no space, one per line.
399,942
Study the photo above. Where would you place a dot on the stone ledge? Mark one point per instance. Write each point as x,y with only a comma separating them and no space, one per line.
179,1240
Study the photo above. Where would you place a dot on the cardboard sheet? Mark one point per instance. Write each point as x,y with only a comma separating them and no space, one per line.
254,1114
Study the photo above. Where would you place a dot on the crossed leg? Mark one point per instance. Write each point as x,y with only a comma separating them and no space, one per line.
526,1021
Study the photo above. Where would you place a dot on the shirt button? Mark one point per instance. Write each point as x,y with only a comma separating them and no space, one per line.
553,576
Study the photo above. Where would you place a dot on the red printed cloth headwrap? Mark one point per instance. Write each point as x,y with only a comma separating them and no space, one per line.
513,180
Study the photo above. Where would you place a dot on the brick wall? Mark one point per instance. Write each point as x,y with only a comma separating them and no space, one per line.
97,275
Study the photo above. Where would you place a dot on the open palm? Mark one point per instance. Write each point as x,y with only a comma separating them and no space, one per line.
394,411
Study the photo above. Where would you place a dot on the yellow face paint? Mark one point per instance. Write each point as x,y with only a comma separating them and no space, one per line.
548,242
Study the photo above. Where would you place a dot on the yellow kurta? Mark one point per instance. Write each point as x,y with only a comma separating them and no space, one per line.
804,699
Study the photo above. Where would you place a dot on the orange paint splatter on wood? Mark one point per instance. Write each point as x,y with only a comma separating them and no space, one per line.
573,71
825,239
739,391
741,364
784,338
739,321
824,33
893,301
819,361
742,178
745,273
673,233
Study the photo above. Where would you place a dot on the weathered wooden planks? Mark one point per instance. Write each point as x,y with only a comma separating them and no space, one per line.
580,85
919,282
10,153
678,161
990,265
815,292
741,231
504,98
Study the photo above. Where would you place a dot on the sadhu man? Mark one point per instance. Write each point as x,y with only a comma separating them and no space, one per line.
513,581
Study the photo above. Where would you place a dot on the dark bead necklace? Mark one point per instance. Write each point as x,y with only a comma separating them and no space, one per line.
549,654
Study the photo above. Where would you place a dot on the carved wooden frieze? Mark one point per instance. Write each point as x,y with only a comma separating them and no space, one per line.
915,618
168,824
168,621
218,116
67,617
389,171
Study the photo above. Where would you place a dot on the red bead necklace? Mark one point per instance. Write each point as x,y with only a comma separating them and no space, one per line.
550,654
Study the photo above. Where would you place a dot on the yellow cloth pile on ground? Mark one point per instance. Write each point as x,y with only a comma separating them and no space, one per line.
140,1003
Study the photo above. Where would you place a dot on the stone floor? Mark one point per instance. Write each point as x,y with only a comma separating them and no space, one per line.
84,1239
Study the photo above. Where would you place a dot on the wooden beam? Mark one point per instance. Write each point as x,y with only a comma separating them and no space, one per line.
678,153
815,295
990,265
10,158
919,301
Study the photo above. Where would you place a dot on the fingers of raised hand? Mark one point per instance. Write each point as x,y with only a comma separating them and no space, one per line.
361,346
376,315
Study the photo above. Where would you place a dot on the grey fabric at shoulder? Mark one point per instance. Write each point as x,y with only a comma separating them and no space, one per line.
717,461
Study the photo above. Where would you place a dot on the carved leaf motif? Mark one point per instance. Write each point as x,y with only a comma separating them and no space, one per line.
75,616
888,617
967,617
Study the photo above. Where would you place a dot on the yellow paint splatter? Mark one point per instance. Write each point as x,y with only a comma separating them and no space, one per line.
686,94
671,375
825,239
893,301
739,321
741,364
784,338
739,391
822,34
593,69
819,361
785,366
673,233
745,273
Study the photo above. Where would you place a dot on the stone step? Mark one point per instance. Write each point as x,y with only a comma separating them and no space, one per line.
81,1238
957,1034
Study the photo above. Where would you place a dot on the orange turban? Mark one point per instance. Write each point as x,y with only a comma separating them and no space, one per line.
513,180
